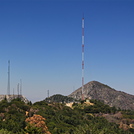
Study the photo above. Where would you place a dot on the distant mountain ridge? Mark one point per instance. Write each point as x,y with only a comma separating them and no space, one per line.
102,92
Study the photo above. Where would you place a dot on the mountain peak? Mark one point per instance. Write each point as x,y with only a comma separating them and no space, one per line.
102,92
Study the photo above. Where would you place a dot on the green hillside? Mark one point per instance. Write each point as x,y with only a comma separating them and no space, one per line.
56,118
60,98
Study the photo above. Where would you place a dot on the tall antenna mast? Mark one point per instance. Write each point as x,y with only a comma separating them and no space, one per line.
83,58
48,93
20,87
8,85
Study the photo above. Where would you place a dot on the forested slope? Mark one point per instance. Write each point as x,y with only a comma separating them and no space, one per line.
56,118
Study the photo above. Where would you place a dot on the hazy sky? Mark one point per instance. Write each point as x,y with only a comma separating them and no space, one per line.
42,40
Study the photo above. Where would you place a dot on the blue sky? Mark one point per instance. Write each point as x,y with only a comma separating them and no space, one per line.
42,40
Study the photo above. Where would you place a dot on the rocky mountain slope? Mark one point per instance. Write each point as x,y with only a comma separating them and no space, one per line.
11,97
110,96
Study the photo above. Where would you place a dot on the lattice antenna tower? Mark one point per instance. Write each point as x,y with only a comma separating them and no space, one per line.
83,58
48,93
20,87
8,84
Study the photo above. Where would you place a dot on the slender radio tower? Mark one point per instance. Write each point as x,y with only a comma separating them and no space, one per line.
8,85
83,58
48,93
20,87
